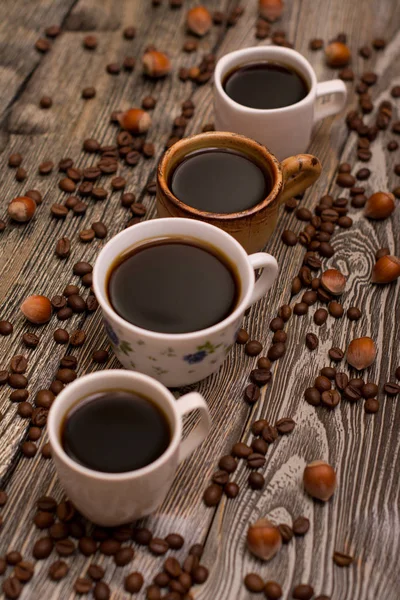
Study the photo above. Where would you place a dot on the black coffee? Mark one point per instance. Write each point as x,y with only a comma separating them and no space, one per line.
173,285
115,431
219,180
265,85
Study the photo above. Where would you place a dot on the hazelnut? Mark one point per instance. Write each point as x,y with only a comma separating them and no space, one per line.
198,20
264,539
379,206
156,64
270,9
337,54
319,480
37,309
333,281
386,269
22,209
361,353
135,120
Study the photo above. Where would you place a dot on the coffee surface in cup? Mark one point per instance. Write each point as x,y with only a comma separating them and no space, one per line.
265,85
115,431
219,180
173,285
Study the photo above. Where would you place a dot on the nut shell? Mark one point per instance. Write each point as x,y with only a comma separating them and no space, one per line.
337,54
22,209
270,9
156,64
264,539
135,120
319,480
386,269
37,309
361,353
379,206
199,20
333,281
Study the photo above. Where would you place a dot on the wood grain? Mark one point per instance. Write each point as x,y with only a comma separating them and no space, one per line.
364,515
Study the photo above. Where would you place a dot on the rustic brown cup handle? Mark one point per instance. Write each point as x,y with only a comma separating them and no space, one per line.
299,172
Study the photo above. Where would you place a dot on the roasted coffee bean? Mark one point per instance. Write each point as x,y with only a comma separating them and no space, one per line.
42,548
241,450
86,236
330,398
273,590
276,324
242,336
6,328
254,583
44,398
3,566
326,250
19,395
312,341
253,348
11,587
212,495
47,503
258,426
296,286
309,297
77,338
133,582
269,434
56,386
352,393
76,302
17,381
260,376
228,463
35,195
303,214
109,547
82,585
58,570
336,354
87,281
312,396
158,546
255,460
322,383
100,356
30,340
100,230
25,410
285,425
320,316
175,541
256,481
369,390
303,592
13,557
58,302
39,417
341,381
289,238
301,525
66,376
142,536
124,556
200,574
345,180
96,572
58,531
335,309
259,446
61,336
18,364
286,532
371,405
341,559
43,519
300,308
3,377
328,372
101,591
87,546
21,174
391,388
46,167
196,550
276,351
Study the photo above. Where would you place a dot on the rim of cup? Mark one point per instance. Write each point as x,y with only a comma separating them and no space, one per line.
270,51
100,288
75,388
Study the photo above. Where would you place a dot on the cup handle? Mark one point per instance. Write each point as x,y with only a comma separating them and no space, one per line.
262,260
298,172
337,88
185,404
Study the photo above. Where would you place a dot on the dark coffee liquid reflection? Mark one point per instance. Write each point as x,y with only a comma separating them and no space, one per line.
265,85
115,431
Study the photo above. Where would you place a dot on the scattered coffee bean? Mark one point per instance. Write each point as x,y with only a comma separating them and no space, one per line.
303,592
254,583
12,588
30,340
58,570
6,328
228,463
124,556
289,238
312,396
256,481
253,348
330,398
273,590
301,525
241,450
371,406
342,560
133,582
43,548
336,354
391,388
82,585
242,336
158,546
286,533
276,351
255,460
285,425
312,341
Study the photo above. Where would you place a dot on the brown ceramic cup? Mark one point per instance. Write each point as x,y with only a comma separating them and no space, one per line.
251,227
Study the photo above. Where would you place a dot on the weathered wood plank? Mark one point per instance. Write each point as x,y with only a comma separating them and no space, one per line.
364,448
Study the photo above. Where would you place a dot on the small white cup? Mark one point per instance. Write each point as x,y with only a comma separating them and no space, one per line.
285,131
111,499
180,359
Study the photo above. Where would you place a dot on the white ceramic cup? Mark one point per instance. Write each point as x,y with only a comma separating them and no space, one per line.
285,131
111,499
180,359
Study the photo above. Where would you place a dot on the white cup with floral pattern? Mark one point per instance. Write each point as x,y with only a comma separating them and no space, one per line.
184,358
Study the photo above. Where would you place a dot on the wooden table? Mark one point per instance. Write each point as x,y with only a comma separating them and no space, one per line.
363,518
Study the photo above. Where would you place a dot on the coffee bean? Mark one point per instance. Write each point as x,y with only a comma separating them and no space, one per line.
21,174
269,434
303,214
255,460
42,548
276,351
200,574
322,384
258,426
58,570
158,546
336,354
345,180
124,556
301,525
76,302
303,592
286,533
91,303
320,316
300,308
82,585
81,268
260,376
19,395
133,582
30,340
87,546
101,591
17,381
341,559
371,405
391,388
242,336
12,588
241,450
309,297
369,390
100,230
256,480
273,590
6,328
25,410
212,495
296,286
285,425
56,386
335,309
352,393
276,324
328,372
254,583
312,396
15,160
65,547
142,536
259,446
228,463
109,547
43,519
279,336
45,168
312,341
18,364
316,44
253,348
77,338
63,247
153,593
289,238
330,398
